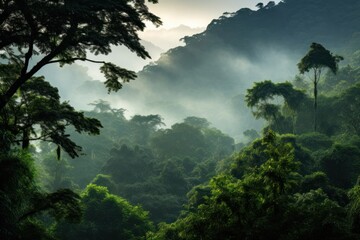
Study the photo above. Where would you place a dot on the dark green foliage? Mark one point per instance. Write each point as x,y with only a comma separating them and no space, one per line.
315,181
255,155
144,126
354,208
260,96
159,186
128,165
345,77
63,31
134,172
105,181
186,140
181,140
348,104
106,216
158,178
197,122
313,215
342,165
314,141
318,58
21,201
251,134
171,173
263,204
36,113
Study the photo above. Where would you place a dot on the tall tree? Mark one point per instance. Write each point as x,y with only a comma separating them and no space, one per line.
316,60
64,31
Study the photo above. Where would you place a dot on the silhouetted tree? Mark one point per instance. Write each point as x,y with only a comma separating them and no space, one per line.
258,97
101,106
260,5
64,31
36,113
316,60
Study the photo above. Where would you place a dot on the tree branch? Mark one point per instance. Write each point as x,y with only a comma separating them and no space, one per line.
75,59
24,8
4,99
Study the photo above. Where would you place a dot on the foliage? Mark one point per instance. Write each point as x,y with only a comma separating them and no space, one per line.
63,31
21,201
197,122
36,113
107,216
318,58
261,93
263,204
255,155
354,210
144,126
348,105
341,164
314,141
181,140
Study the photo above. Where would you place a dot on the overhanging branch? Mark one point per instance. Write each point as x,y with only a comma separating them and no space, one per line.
75,59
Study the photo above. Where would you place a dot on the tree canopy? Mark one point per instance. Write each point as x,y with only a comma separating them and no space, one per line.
36,113
317,58
65,31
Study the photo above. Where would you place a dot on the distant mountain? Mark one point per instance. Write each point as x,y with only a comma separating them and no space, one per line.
169,38
209,76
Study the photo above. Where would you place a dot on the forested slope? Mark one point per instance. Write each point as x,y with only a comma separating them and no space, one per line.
218,65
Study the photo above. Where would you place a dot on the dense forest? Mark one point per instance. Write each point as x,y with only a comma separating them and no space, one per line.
99,174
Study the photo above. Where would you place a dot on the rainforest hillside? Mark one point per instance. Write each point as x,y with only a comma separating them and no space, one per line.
209,76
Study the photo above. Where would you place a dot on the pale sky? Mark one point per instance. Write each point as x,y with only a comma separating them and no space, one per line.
197,13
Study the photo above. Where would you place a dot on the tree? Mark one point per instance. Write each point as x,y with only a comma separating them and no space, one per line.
341,164
260,95
36,113
64,31
197,122
316,60
348,104
144,126
260,5
21,200
107,216
101,106
182,140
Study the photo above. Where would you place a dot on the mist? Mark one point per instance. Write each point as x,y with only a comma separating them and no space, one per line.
214,89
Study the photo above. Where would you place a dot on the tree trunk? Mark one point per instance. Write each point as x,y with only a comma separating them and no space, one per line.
26,139
317,73
315,106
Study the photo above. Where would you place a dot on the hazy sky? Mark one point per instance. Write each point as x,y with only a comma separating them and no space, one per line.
197,13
